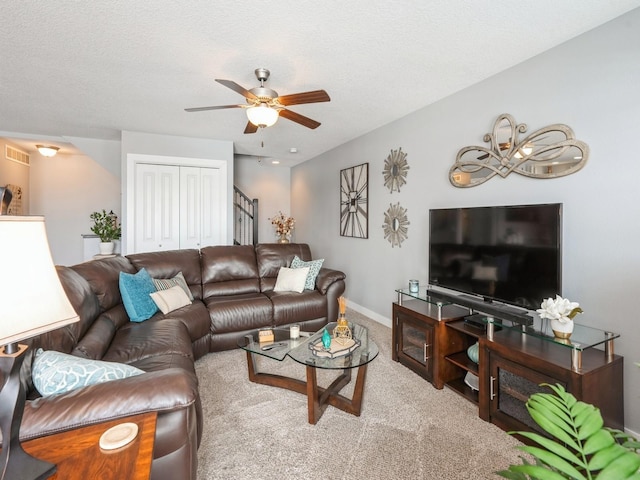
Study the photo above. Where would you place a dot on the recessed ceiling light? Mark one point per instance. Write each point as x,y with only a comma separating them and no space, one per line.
275,162
293,150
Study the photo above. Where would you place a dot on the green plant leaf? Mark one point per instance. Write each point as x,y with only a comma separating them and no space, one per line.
553,460
540,473
512,475
598,441
554,447
543,419
622,467
605,457
589,423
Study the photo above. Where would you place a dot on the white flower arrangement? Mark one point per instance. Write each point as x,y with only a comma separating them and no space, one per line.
560,309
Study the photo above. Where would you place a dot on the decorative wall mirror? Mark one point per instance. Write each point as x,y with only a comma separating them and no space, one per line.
549,152
395,170
395,225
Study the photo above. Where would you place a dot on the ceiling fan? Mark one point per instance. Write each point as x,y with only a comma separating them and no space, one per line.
264,105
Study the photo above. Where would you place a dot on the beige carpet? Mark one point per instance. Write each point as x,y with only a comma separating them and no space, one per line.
407,429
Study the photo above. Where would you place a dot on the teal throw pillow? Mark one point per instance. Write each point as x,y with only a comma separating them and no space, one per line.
314,270
167,283
55,372
136,293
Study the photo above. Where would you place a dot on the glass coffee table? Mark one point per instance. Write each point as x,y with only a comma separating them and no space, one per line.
314,358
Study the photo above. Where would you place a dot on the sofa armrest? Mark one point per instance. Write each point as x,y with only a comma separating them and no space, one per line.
327,277
164,390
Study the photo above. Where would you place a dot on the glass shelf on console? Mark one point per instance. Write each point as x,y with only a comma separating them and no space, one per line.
582,338
421,294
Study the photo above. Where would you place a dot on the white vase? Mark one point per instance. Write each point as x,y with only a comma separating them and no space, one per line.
106,248
562,330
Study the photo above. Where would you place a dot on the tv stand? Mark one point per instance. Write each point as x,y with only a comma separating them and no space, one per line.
501,311
431,337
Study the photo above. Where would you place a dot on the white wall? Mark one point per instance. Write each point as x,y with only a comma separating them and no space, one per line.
591,84
270,185
66,189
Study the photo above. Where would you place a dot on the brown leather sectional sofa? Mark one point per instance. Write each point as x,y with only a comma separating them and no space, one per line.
233,293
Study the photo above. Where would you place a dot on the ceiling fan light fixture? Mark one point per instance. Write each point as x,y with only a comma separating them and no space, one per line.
47,150
262,115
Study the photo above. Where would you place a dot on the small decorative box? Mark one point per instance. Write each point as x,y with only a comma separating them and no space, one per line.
265,336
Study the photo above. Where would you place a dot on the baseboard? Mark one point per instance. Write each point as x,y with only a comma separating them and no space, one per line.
371,314
632,433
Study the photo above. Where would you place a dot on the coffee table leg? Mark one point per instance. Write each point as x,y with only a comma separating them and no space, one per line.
318,398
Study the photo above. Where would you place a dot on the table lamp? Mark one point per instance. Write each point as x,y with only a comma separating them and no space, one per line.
32,302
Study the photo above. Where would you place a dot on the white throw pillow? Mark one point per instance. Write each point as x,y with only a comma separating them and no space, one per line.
291,279
170,299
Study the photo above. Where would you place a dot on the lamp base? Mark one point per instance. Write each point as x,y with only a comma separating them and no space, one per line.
22,466
15,463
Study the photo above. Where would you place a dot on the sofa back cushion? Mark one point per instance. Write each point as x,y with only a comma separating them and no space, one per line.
103,276
169,263
272,256
229,270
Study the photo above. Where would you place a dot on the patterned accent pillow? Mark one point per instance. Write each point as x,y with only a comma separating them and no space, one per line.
135,291
314,270
55,372
167,283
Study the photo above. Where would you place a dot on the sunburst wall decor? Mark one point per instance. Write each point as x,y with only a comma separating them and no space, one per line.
395,170
395,225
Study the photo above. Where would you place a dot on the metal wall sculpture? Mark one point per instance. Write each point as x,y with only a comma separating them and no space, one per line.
549,152
354,201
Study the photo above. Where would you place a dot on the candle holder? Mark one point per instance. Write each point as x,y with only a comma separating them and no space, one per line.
342,333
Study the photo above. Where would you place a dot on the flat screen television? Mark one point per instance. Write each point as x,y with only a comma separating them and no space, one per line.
510,254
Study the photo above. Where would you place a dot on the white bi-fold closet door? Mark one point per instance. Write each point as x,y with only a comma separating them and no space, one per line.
178,207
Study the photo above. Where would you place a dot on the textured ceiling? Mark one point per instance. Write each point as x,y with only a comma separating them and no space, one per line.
95,68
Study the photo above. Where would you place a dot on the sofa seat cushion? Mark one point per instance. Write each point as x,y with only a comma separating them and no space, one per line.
291,307
137,341
160,362
237,313
195,317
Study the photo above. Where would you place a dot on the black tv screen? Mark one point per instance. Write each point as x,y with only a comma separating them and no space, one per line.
511,254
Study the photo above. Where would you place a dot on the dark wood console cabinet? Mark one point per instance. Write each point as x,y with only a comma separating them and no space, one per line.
432,339
513,366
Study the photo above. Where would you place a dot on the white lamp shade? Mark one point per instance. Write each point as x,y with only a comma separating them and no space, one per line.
262,115
32,300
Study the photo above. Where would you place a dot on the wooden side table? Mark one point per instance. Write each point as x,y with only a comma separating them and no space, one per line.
77,453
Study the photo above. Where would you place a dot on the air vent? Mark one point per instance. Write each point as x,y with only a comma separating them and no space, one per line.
17,155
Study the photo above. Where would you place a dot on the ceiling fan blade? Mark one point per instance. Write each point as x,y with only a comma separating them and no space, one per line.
250,128
219,107
315,96
301,119
237,88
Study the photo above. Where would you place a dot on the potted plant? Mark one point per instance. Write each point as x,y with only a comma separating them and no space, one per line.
577,444
106,227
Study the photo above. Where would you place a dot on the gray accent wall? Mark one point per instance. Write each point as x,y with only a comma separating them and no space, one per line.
592,84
